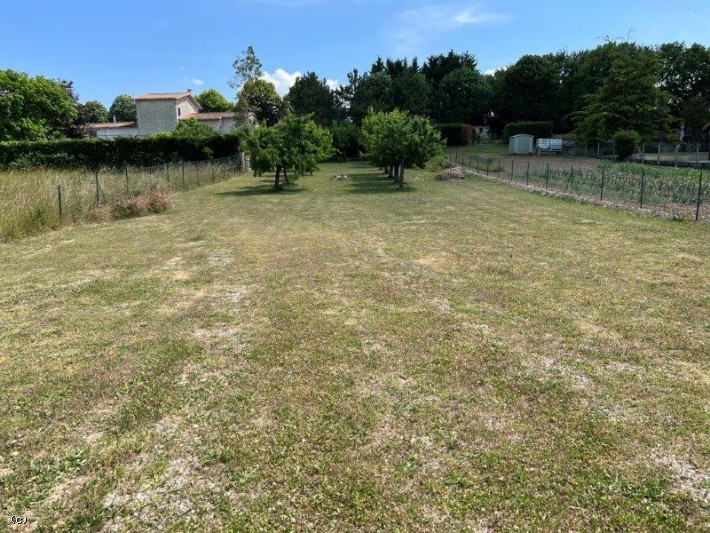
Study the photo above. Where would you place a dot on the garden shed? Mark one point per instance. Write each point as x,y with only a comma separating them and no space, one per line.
521,144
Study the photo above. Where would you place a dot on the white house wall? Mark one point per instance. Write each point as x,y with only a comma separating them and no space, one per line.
108,133
186,106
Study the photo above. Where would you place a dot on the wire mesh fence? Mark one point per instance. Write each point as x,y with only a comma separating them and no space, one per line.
678,193
34,201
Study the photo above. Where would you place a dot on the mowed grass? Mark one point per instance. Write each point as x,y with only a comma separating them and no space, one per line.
343,356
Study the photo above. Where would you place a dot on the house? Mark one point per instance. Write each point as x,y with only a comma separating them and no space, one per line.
160,112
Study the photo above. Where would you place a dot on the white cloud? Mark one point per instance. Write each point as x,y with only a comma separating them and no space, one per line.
417,26
284,80
281,79
193,81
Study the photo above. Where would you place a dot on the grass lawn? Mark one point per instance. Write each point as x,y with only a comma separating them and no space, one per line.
343,356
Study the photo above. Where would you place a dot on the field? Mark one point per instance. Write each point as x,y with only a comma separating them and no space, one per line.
661,191
343,356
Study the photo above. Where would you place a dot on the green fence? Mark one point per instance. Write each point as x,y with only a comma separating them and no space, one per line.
679,193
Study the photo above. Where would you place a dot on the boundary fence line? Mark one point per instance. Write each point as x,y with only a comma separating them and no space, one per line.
34,201
679,194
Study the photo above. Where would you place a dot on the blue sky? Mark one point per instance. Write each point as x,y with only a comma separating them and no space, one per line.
110,47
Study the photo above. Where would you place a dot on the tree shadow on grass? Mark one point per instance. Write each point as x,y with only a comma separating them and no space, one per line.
266,186
375,182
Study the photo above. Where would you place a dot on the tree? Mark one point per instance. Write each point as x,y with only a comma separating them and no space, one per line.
123,108
295,143
437,67
374,91
685,76
311,96
246,68
397,139
34,108
410,92
528,90
346,139
629,99
212,100
465,96
93,111
260,97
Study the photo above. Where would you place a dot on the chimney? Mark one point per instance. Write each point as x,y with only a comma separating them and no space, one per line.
190,91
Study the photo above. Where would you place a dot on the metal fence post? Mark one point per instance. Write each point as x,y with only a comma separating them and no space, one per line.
643,185
499,169
547,175
128,191
488,165
601,196
98,200
512,170
167,171
183,175
59,201
700,192
527,174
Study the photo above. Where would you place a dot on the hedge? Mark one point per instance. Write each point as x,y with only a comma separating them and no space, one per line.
117,152
457,134
539,129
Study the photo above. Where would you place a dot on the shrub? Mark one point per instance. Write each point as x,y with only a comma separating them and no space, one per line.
118,152
457,134
538,129
156,201
625,142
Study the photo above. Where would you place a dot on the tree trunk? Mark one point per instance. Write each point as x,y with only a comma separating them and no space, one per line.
277,185
400,177
285,176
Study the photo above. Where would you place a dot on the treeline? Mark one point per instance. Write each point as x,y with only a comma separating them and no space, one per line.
595,93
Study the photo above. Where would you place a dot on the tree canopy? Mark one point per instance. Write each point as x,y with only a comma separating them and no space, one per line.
295,143
312,96
628,99
212,100
260,97
34,109
398,139
123,108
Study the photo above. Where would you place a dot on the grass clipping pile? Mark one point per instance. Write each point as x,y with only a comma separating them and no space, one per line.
452,172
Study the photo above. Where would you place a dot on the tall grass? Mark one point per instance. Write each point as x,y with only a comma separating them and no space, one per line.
30,200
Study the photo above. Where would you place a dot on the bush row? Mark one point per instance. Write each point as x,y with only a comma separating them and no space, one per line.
118,152
457,134
539,130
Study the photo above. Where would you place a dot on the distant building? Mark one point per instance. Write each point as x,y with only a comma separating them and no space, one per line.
160,112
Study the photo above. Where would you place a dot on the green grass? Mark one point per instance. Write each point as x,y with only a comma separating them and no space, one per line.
343,356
